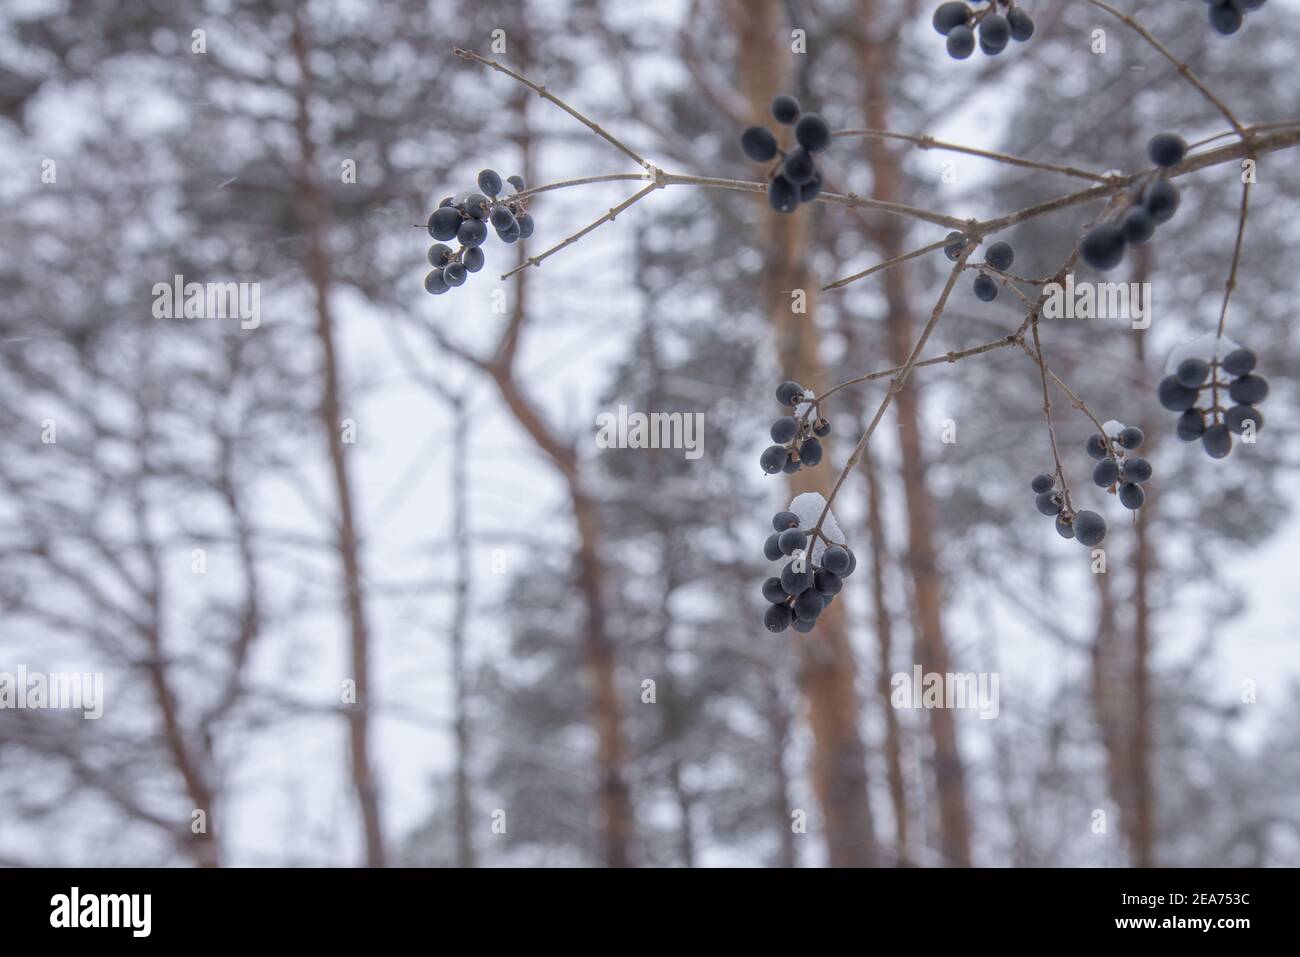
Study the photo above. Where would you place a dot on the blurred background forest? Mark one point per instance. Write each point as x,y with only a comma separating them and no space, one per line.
404,493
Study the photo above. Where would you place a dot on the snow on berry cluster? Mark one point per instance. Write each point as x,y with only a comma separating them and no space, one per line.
1203,371
796,435
813,576
465,218
1102,247
1117,471
959,23
798,177
1226,16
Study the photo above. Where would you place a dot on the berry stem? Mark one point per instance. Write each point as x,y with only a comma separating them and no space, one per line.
1231,284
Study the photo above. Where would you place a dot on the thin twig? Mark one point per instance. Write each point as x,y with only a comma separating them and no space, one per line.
926,142
948,357
1182,67
879,267
547,94
607,218
1236,256
897,384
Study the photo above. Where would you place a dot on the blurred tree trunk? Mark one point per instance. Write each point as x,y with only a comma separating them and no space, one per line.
876,62
614,796
839,761
884,634
313,208
460,615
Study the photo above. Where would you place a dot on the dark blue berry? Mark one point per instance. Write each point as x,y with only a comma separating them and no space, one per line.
435,282
1089,528
439,255
1042,483
473,258
802,626
837,560
1192,372
985,288
1106,472
1000,256
1237,417
517,182
784,429
1063,528
792,540
1166,149
809,604
1131,437
773,591
822,427
810,452
785,108
525,222
777,618
454,274
949,15
796,582
961,42
789,393
1097,446
782,195
827,582
1161,200
1250,389
1239,362
502,218
1131,496
758,143
1191,425
1226,19
1137,470
812,132
783,520
1175,396
799,166
1217,441
994,34
773,459
489,181
812,189
956,243
772,548
1021,23
471,233
444,222
1102,247
1049,503
1138,226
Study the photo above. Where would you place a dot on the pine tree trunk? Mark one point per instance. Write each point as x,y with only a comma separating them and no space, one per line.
839,769
875,61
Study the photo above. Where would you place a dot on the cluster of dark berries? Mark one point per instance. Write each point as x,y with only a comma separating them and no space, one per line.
1215,424
1226,15
797,178
465,218
1102,247
804,588
796,435
959,23
999,257
1116,470
1087,526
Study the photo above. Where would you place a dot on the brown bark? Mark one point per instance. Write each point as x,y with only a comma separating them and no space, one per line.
313,209
884,635
876,63
839,770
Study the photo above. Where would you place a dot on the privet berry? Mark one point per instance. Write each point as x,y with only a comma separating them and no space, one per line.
797,178
805,586
797,434
464,217
1226,16
1216,398
960,24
